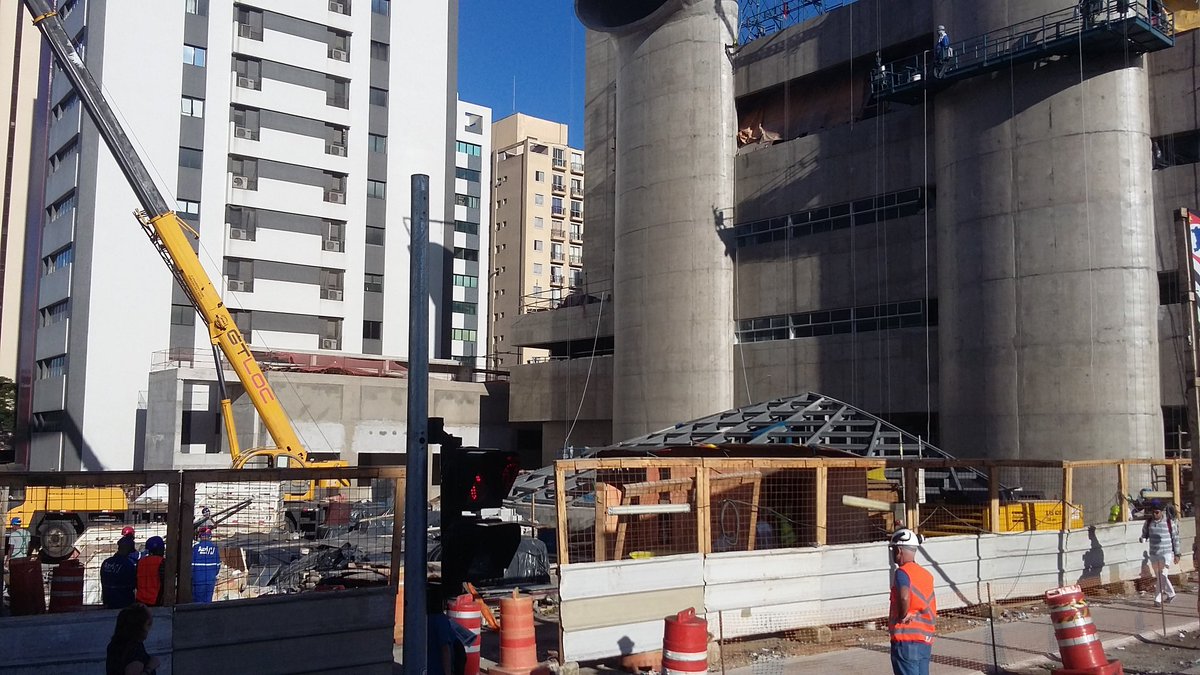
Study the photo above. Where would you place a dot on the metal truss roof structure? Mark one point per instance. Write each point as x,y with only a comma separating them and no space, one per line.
810,419
805,422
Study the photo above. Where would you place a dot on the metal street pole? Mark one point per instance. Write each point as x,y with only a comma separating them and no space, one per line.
416,518
1189,271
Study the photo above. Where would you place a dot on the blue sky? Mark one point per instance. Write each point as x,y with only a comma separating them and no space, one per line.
539,43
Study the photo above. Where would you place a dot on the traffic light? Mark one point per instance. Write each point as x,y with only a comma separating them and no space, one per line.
475,479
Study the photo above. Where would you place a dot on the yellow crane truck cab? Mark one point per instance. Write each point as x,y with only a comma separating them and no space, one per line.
57,516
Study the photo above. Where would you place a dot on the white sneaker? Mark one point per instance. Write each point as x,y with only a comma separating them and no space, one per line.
1158,600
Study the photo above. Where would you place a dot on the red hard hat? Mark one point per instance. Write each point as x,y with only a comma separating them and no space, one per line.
127,531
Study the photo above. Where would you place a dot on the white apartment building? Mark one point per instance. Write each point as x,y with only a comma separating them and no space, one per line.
286,131
471,233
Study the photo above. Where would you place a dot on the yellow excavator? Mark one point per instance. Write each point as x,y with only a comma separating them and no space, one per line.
171,236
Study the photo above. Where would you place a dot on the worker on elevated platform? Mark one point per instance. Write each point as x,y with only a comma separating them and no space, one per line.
942,52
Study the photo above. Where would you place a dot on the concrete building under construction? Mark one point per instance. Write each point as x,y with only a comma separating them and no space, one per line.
986,256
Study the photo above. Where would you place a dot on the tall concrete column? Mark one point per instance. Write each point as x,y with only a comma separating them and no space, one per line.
1047,282
673,276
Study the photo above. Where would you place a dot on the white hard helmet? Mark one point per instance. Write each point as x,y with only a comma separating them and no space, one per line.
905,537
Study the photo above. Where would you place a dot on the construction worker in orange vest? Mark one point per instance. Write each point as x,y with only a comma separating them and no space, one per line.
150,573
912,618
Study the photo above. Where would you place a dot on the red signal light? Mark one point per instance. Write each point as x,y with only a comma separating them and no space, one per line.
475,486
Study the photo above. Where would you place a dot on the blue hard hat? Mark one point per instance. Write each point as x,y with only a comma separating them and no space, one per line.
156,544
16,522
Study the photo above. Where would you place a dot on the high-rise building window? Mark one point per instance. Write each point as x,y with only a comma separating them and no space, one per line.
63,207
379,96
463,334
539,223
383,7
53,367
467,174
466,227
191,107
249,72
198,7
377,189
468,254
56,313
539,176
539,245
380,51
537,268
194,56
183,315
469,149
466,281
191,158
373,283
539,199
375,236
467,201
376,143
468,308
56,262
187,207
372,330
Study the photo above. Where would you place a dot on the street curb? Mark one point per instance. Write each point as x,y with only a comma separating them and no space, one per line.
1110,644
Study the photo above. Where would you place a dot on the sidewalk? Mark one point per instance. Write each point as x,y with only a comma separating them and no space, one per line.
1019,644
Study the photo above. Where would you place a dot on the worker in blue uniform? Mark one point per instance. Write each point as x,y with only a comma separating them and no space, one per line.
206,564
118,577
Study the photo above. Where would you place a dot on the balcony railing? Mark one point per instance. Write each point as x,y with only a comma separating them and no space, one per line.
556,279
576,260
558,233
576,234
576,215
558,188
577,192
557,256
557,210
576,167
560,163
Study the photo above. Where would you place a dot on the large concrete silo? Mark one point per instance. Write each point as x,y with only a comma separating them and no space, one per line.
673,277
1046,261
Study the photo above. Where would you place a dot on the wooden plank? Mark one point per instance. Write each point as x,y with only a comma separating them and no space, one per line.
704,509
601,527
912,513
1068,490
400,488
175,548
1123,489
1177,484
822,506
993,499
560,509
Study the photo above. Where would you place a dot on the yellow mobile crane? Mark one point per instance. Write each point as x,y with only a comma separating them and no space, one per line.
170,235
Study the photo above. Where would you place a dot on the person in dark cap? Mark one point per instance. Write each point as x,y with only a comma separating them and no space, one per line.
1162,534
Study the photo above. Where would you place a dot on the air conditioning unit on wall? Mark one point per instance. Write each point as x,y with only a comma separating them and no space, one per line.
237,285
241,183
329,343
243,132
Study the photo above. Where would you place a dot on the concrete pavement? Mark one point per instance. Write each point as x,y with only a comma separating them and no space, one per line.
1019,644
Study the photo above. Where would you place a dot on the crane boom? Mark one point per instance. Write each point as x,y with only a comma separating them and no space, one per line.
169,234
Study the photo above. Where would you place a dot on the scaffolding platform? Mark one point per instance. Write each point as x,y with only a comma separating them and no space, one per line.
1132,26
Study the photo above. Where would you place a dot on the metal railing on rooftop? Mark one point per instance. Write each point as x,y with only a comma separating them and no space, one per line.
760,18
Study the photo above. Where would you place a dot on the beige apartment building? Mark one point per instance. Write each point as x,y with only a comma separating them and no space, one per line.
19,60
537,242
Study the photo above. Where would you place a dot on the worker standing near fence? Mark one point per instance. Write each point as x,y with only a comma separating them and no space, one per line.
206,565
1162,533
118,576
912,617
150,573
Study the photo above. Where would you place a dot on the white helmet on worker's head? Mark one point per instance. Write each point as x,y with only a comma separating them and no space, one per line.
905,537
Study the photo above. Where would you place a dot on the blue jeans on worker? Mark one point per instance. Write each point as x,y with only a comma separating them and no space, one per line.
911,658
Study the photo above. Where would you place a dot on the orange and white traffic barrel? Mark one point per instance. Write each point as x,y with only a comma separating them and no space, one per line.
1078,644
464,611
518,644
66,587
685,644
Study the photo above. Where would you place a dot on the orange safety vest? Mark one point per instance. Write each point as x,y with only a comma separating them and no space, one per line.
922,605
149,580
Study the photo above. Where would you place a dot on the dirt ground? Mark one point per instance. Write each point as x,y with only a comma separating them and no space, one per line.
1179,653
